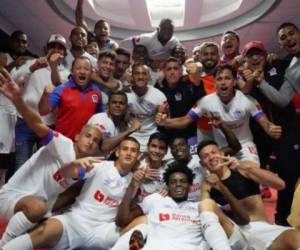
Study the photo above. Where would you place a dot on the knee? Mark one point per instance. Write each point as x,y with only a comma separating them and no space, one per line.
34,210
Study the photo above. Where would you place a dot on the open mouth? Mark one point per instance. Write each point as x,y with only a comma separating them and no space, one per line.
292,45
179,191
82,78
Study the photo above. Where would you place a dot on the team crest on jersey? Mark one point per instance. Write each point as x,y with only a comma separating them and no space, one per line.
238,114
95,99
164,217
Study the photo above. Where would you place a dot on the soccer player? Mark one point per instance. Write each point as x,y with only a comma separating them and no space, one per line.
90,223
31,193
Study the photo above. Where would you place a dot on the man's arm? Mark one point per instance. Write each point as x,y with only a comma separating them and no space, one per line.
178,122
259,175
271,129
240,215
79,16
110,143
128,211
12,91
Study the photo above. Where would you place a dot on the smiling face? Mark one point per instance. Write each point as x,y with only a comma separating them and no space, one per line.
106,67
209,57
209,158
19,43
180,149
81,71
157,149
117,105
230,44
225,85
178,186
140,76
102,31
289,39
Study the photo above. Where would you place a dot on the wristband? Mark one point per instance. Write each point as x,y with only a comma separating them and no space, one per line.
81,172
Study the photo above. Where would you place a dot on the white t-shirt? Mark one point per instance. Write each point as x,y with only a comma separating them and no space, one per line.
155,49
101,194
105,124
70,58
144,108
39,175
172,225
35,84
235,114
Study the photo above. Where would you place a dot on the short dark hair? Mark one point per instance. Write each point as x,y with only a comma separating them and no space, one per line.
178,167
286,24
108,53
233,33
130,138
123,51
171,59
101,21
17,33
220,68
121,93
178,138
159,136
167,21
205,143
138,64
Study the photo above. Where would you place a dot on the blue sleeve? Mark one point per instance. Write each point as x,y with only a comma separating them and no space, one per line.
48,138
54,98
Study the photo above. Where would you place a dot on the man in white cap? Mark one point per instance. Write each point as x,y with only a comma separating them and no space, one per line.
37,75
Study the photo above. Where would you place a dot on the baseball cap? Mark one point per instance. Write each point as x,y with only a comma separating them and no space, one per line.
252,45
57,38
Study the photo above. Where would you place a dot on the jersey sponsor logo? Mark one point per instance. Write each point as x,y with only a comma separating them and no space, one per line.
100,197
60,180
164,217
95,98
238,114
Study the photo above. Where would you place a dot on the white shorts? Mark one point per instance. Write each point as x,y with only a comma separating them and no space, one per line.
237,240
8,201
264,231
248,153
78,233
7,132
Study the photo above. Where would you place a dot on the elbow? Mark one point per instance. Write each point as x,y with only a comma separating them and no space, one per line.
242,220
281,185
121,222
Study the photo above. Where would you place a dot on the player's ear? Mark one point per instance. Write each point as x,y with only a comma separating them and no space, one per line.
76,138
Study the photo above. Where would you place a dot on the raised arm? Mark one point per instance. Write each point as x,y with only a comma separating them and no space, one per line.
12,91
127,210
271,129
178,122
79,17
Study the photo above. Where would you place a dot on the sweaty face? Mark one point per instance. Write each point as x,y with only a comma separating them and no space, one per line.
140,76
102,31
88,141
229,44
157,150
289,39
209,157
256,59
178,186
81,72
225,84
117,105
78,37
106,67
172,73
122,64
20,44
209,57
180,149
127,154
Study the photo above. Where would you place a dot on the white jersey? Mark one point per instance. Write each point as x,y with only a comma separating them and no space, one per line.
235,114
105,124
35,84
156,50
144,108
172,225
39,175
70,58
199,172
101,194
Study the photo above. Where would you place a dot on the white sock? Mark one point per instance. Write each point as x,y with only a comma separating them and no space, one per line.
17,225
22,242
213,231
